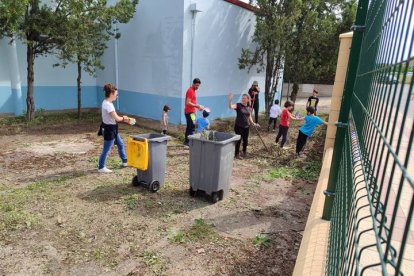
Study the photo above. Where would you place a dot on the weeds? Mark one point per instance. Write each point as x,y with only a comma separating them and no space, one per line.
111,162
132,202
200,231
154,262
307,172
176,236
43,117
261,240
12,204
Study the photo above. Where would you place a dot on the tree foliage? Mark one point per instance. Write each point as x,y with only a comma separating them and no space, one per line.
75,30
274,22
87,31
315,41
302,36
35,25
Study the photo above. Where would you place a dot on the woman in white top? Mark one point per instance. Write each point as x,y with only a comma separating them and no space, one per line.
109,128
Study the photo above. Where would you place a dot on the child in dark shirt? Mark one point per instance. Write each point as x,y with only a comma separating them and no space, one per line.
313,100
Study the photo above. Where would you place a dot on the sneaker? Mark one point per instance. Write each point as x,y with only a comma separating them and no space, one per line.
238,157
124,164
104,170
285,148
243,154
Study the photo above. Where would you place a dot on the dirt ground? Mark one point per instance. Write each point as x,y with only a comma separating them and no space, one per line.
58,216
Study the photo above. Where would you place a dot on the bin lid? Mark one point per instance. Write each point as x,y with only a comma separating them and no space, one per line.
215,137
152,137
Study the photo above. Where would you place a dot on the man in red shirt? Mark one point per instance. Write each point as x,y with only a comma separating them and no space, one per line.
190,109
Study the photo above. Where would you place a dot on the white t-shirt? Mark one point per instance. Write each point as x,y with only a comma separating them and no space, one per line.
274,111
107,108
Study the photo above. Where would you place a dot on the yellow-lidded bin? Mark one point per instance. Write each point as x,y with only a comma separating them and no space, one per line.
153,177
138,154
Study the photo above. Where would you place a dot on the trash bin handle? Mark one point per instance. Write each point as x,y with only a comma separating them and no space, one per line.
140,139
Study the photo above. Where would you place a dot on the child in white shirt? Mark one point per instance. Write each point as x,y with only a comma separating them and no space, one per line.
273,114
164,119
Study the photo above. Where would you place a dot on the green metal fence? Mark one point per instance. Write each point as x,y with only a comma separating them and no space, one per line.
370,194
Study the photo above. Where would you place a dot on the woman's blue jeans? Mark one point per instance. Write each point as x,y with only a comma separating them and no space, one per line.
107,148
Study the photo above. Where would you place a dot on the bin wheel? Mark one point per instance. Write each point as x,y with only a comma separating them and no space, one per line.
135,181
192,192
214,197
155,186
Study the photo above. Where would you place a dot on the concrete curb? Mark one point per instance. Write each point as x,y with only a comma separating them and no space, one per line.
311,258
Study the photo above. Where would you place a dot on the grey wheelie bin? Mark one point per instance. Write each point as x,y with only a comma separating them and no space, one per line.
153,177
211,163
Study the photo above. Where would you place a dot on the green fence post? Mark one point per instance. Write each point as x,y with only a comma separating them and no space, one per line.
358,29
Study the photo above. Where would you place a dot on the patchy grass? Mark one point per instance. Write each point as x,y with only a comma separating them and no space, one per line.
43,117
132,202
13,203
176,236
156,263
104,221
200,231
261,240
112,162
299,171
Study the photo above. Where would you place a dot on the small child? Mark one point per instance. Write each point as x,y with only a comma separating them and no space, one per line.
284,122
164,119
313,100
202,122
311,122
273,114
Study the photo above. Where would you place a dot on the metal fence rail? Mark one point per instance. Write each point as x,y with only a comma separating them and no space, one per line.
371,181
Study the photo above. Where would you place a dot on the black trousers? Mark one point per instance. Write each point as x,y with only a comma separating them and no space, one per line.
256,111
274,121
301,142
190,128
283,131
244,133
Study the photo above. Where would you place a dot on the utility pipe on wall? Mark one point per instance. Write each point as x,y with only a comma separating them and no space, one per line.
194,11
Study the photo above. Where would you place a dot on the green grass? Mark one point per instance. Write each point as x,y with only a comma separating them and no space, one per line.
176,236
200,231
42,117
13,203
154,262
132,202
261,240
112,162
303,171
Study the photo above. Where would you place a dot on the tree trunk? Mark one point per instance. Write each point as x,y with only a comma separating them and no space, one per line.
30,113
79,89
294,93
268,83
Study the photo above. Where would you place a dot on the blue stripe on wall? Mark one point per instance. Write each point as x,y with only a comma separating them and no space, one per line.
61,97
148,105
6,100
140,104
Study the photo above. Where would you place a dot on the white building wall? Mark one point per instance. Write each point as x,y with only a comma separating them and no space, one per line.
150,60
221,31
154,58
54,88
